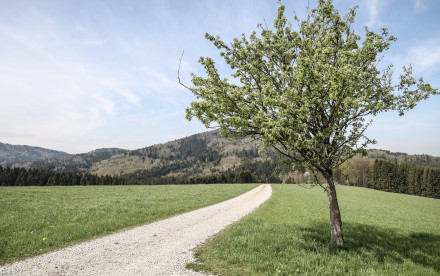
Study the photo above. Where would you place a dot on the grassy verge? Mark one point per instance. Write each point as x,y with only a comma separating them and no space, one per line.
385,234
34,220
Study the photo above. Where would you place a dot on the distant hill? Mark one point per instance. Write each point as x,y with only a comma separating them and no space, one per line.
208,157
73,162
419,159
18,153
204,157
199,155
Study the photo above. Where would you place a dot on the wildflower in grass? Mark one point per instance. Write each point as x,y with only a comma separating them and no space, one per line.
44,239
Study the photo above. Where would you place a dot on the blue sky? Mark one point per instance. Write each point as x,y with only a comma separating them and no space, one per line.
80,75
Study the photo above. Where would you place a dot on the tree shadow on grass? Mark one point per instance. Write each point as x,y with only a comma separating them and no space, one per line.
379,243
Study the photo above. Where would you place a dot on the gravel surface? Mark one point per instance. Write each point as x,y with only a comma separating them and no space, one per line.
160,248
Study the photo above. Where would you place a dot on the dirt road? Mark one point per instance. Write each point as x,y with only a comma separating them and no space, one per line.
159,248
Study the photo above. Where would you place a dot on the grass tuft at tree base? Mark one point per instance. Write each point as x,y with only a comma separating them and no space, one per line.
385,234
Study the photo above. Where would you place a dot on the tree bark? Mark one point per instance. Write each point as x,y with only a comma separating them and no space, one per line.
337,235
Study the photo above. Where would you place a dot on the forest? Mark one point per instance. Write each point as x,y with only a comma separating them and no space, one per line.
201,159
38,177
390,176
249,172
384,175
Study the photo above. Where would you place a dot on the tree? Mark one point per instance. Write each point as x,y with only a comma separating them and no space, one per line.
427,188
430,190
305,93
401,182
436,182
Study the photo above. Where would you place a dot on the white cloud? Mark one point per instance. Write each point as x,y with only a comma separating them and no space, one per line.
426,55
373,9
420,5
50,89
121,88
157,81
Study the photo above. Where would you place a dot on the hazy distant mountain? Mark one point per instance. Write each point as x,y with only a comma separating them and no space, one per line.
74,162
18,153
419,159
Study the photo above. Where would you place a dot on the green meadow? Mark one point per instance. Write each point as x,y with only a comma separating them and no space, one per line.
385,234
34,220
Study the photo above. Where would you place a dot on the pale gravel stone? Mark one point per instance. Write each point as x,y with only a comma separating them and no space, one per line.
160,248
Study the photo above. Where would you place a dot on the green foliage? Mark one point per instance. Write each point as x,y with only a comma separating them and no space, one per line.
35,220
388,234
305,93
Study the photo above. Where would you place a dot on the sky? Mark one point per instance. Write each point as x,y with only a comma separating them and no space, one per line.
77,75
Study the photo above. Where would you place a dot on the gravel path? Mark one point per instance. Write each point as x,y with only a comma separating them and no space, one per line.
159,248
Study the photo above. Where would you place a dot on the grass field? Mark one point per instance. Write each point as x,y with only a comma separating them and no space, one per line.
34,220
385,234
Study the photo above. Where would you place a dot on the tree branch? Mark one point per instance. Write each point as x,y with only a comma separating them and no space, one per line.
178,74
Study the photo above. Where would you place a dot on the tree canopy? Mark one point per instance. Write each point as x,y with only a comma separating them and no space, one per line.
305,89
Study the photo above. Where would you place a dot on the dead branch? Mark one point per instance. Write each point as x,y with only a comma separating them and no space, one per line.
178,73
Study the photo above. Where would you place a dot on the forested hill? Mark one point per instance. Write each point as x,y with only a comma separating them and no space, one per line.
73,162
192,159
18,153
418,159
204,157
207,155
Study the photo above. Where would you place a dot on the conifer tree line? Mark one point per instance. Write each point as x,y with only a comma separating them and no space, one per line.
38,177
229,177
248,172
390,176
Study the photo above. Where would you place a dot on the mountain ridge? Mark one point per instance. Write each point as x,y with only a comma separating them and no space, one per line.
201,155
72,162
209,158
20,153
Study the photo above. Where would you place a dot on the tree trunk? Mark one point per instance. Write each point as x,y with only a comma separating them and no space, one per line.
335,215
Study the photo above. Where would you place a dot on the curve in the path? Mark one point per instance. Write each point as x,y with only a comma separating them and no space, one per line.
159,248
